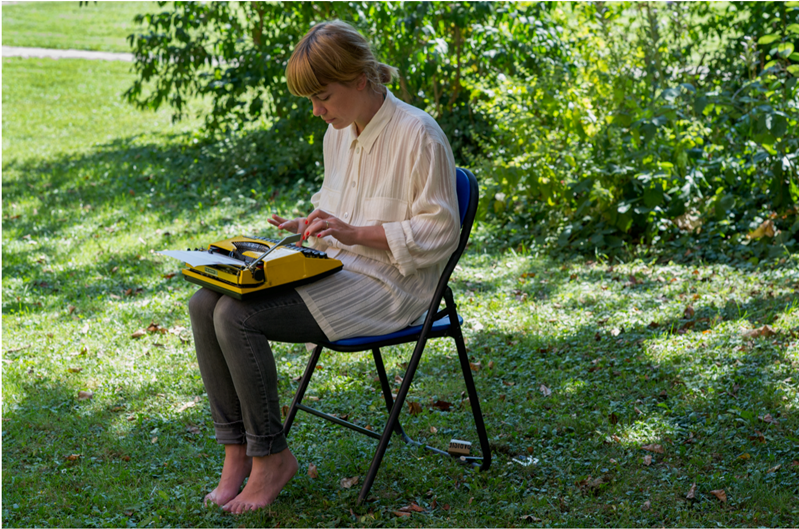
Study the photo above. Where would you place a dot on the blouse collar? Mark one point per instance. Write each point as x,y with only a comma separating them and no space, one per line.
376,125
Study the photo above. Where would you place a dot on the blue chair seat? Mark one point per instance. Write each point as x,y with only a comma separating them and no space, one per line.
441,325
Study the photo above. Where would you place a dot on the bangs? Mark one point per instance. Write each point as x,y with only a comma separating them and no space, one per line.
300,75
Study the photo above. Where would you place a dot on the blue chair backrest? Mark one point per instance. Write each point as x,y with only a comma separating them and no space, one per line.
464,190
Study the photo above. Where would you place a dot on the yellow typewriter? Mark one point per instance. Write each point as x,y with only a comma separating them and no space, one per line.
243,267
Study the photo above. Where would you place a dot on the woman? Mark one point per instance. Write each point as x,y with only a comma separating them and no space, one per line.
387,209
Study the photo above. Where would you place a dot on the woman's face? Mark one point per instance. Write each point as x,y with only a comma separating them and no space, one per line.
339,104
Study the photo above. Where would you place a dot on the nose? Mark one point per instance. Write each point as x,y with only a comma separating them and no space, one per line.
318,109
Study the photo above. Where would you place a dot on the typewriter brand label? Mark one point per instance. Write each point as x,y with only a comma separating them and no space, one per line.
211,271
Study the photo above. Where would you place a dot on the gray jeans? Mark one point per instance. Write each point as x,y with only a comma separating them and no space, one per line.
232,342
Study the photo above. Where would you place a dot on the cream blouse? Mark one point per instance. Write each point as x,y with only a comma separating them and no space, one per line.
398,173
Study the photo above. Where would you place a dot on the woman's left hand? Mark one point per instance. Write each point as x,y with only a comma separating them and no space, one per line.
322,224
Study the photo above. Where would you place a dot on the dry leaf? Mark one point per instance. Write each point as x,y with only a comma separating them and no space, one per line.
85,395
75,369
193,429
639,412
647,460
545,390
415,408
491,364
692,492
85,329
400,513
508,383
285,410
413,507
653,448
646,505
442,405
312,472
186,406
773,469
475,366
766,229
446,507
71,309
154,440
768,418
347,483
764,331
720,494
138,334
125,458
688,312
168,276
433,429
154,327
73,457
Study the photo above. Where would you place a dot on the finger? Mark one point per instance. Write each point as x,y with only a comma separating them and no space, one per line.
317,214
278,218
317,226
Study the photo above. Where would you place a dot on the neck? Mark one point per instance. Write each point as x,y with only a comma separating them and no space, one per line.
372,105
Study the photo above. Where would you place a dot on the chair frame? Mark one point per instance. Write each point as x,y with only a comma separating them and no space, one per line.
426,331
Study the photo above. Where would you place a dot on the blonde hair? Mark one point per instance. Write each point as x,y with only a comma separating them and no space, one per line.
334,52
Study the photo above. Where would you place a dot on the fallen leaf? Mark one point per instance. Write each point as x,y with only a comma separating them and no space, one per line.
177,329
73,457
766,229
720,494
688,312
442,405
692,492
313,473
545,390
433,429
114,296
71,309
193,429
646,505
168,276
773,469
446,507
744,457
125,458
285,410
491,364
347,483
85,395
75,369
415,408
758,437
400,513
639,412
138,334
154,327
508,383
154,440
613,418
475,366
186,406
647,460
653,448
768,419
764,331
413,507
85,329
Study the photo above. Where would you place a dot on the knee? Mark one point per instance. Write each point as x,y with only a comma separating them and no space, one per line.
202,303
227,314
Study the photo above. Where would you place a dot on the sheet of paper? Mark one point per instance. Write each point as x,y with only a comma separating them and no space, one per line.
204,258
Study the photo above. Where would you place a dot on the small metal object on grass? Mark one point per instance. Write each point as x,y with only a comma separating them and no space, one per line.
458,447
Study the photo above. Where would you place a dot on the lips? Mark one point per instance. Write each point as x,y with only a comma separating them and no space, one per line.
329,121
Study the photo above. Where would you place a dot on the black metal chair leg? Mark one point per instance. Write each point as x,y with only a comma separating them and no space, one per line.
386,388
394,415
304,381
474,402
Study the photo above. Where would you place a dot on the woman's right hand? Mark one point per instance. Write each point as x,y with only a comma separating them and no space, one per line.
294,226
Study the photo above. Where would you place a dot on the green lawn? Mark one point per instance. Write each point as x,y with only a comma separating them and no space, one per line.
102,26
626,363
634,354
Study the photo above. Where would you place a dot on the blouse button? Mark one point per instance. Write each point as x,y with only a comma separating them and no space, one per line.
358,150
346,215
353,184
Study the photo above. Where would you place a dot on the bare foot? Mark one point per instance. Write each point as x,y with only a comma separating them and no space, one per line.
237,467
268,477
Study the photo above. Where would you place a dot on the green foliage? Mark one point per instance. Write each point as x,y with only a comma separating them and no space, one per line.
236,54
640,143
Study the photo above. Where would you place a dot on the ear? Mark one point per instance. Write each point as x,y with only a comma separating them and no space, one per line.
362,82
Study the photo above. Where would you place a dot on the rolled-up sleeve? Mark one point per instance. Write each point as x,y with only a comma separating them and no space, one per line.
430,235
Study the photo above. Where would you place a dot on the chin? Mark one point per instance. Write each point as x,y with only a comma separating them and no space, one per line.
338,124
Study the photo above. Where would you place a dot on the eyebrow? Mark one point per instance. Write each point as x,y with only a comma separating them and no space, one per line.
318,93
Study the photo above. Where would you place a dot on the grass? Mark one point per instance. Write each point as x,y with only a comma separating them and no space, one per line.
101,26
92,188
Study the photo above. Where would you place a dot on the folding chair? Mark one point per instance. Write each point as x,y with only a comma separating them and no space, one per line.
437,324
